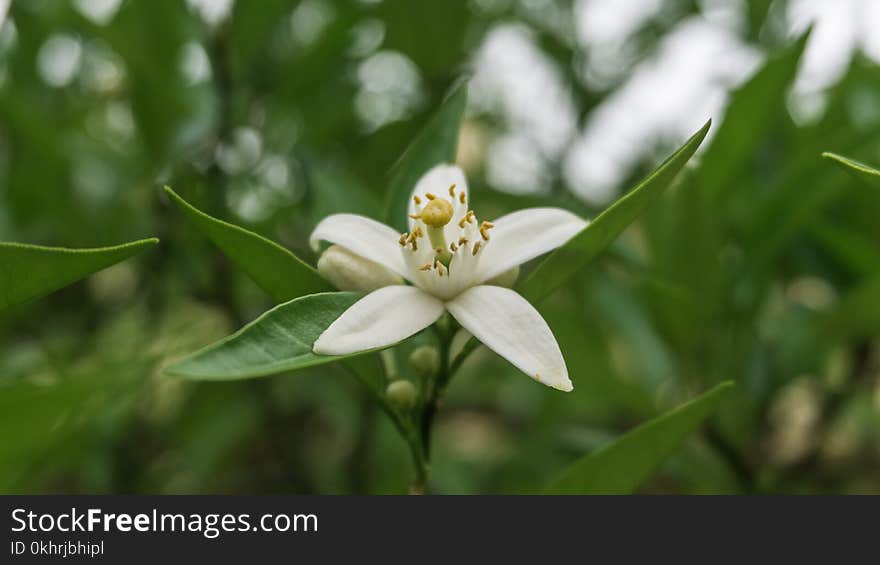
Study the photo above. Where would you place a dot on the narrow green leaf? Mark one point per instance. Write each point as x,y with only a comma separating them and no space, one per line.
279,341
859,170
436,144
567,260
278,271
755,109
622,466
31,271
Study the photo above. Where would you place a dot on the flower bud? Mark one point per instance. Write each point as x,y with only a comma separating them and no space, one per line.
506,279
348,271
425,360
402,394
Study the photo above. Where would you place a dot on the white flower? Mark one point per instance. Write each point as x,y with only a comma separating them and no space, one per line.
449,255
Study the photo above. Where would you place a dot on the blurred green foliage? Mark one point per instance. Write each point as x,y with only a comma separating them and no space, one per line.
760,265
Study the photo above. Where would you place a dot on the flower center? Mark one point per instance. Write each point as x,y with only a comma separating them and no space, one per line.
455,239
436,213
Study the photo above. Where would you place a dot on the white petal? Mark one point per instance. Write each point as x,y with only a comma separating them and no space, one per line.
362,236
437,181
526,234
511,327
379,319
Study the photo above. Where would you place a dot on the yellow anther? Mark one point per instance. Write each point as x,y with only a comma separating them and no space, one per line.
402,240
441,268
426,267
416,199
453,247
436,213
438,251
462,197
430,196
477,246
484,230
452,191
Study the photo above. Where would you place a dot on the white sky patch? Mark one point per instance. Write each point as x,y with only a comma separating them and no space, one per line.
840,28
241,152
100,12
212,12
514,165
390,88
309,20
194,63
367,37
59,60
601,23
668,96
516,79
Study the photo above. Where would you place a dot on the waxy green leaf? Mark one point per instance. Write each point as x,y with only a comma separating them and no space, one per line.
437,143
622,466
279,341
31,271
859,170
567,260
755,109
274,268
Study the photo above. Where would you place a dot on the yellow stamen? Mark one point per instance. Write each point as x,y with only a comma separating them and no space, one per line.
484,230
462,240
453,247
402,240
439,251
452,191
430,196
416,199
477,246
462,197
426,267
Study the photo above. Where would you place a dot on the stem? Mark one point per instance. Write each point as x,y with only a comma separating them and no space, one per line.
435,388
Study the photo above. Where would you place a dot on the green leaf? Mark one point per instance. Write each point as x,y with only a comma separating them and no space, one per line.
755,109
567,260
278,271
622,466
31,271
859,170
279,341
436,144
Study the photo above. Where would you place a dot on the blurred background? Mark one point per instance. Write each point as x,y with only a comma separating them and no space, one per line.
762,264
